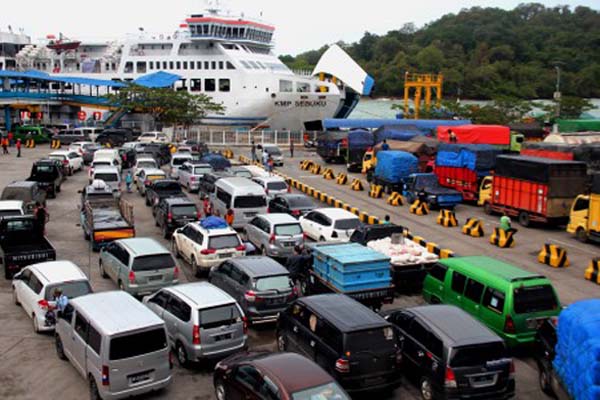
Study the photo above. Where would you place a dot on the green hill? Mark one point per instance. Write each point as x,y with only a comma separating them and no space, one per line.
486,52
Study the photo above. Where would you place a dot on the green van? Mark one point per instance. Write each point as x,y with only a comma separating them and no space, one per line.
37,133
510,301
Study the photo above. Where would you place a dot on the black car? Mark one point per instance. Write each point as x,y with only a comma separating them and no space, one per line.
48,174
173,213
114,137
128,157
206,184
197,147
162,189
28,192
451,355
260,285
348,340
88,152
545,345
297,205
160,152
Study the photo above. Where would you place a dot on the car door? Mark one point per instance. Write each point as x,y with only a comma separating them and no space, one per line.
234,283
183,175
251,229
327,345
244,384
307,224
177,314
79,337
320,222
107,257
24,291
158,302
217,275
457,287
471,301
415,348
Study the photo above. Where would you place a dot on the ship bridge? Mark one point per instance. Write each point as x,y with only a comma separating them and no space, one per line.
213,27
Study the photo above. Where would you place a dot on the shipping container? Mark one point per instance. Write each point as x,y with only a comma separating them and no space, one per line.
465,180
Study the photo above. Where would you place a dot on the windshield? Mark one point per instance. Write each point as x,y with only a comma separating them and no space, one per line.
273,150
278,282
56,157
137,344
16,194
155,261
242,173
148,135
10,213
373,339
102,163
168,187
223,242
187,210
350,223
107,177
277,186
534,299
69,289
250,202
300,202
477,355
329,391
202,170
180,160
426,181
288,230
146,164
219,316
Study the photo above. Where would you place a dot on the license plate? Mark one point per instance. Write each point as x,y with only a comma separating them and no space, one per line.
534,323
289,244
276,300
219,338
225,255
374,381
139,378
249,215
155,278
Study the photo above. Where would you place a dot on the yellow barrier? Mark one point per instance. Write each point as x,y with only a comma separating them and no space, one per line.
328,174
592,273
376,191
447,218
419,208
357,185
30,143
553,256
55,144
395,199
316,169
227,153
473,227
341,179
502,239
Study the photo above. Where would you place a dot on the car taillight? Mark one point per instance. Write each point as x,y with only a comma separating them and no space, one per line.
192,179
105,376
268,210
196,335
176,272
245,321
267,192
272,239
208,251
334,234
65,162
294,292
250,296
511,371
449,378
43,304
147,182
241,247
342,366
169,217
296,213
131,277
509,325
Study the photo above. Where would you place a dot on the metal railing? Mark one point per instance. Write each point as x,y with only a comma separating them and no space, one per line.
244,138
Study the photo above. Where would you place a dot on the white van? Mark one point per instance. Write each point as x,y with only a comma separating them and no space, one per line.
110,175
116,343
246,198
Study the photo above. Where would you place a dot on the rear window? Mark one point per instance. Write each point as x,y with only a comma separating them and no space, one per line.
276,186
300,202
155,261
16,194
324,392
219,316
243,173
107,177
180,160
180,211
56,157
250,202
69,289
202,170
273,150
102,164
288,230
146,164
168,187
350,223
223,242
137,344
279,282
477,355
10,213
368,340
534,299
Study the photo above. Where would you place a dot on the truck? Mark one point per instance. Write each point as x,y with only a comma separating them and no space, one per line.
161,189
584,220
392,169
533,189
345,147
423,150
409,260
104,217
22,243
588,153
437,195
497,135
351,269
48,175
463,167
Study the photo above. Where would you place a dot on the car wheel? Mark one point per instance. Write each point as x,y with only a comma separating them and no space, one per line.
121,286
58,189
147,201
60,351
305,287
321,239
165,232
263,251
581,235
94,394
182,357
195,268
220,391
86,236
487,208
70,171
524,219
102,271
15,297
281,343
426,389
544,380
435,300
175,248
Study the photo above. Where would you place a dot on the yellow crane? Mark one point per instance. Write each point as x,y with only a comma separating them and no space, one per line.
420,82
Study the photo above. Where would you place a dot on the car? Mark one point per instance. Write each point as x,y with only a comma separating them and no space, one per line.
139,266
281,376
351,342
71,159
190,174
162,188
128,157
260,285
197,147
240,171
182,149
177,160
546,340
241,197
274,152
114,137
206,185
29,193
88,152
38,133
207,243
473,362
143,163
275,235
297,205
510,301
101,162
160,151
48,175
255,170
71,135
110,176
203,322
145,178
173,213
329,224
33,288
80,147
116,344
153,137
273,185
10,208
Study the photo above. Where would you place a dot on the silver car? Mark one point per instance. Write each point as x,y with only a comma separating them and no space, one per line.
275,235
273,185
190,174
275,153
139,266
202,321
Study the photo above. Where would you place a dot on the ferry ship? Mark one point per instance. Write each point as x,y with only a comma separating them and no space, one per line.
228,58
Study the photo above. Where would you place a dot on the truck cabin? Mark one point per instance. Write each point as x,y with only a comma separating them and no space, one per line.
20,230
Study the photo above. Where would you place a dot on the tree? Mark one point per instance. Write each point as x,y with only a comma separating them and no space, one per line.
166,106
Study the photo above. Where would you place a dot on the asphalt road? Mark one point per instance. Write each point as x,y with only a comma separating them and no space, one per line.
30,369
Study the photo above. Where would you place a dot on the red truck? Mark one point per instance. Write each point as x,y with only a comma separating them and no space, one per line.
534,189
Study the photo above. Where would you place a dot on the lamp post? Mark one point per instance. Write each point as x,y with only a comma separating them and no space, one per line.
557,94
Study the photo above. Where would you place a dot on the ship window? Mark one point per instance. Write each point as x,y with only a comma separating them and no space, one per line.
192,65
180,85
151,65
198,64
209,85
164,65
261,65
229,65
178,64
171,65
114,66
141,67
302,87
196,85
106,66
213,65
185,65
286,86
224,85
128,67
205,29
206,65
220,64
245,64
228,32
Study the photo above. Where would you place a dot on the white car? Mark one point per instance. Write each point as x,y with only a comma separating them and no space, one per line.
79,147
177,160
143,163
110,175
72,159
204,247
255,170
274,185
184,149
329,224
101,163
11,208
33,288
153,137
274,152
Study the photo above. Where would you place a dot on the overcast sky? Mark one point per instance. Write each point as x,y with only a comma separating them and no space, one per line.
300,25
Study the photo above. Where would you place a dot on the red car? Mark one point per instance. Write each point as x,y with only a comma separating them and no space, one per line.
282,376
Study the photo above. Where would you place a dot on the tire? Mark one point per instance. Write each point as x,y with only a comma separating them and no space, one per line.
321,239
195,268
487,208
263,251
58,189
181,354
86,236
305,287
165,232
281,343
94,394
102,271
121,286
435,300
15,297
60,351
175,248
147,202
524,219
220,391
426,389
70,171
581,235
544,381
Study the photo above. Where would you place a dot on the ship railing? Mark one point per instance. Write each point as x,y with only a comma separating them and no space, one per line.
245,138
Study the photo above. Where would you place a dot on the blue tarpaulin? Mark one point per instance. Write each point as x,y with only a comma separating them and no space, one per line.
476,157
393,166
423,124
213,223
217,161
360,139
39,75
397,132
158,79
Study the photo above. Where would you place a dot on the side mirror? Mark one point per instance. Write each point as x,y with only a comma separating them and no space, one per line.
18,277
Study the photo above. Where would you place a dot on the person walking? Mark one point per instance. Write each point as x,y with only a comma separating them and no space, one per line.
5,145
270,165
253,152
385,146
229,217
128,181
41,216
10,138
386,220
291,148
18,148
206,206
265,159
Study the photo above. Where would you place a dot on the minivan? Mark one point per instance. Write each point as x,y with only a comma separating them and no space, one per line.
246,198
351,342
203,322
139,266
117,344
110,175
510,301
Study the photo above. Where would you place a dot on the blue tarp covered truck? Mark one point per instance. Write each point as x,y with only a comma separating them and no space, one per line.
392,169
437,196
345,147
